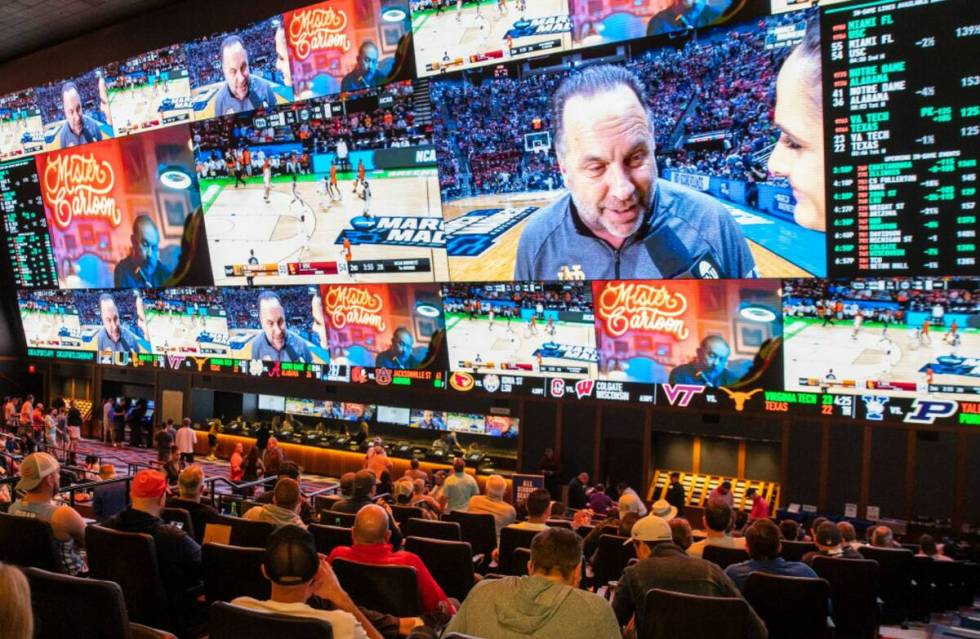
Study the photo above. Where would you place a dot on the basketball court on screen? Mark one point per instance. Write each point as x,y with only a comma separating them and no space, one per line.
830,355
310,227
46,329
482,346
149,106
177,333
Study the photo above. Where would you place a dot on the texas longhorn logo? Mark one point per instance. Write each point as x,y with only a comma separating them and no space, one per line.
739,397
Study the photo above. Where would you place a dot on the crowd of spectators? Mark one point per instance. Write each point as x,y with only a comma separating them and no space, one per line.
135,71
882,299
546,297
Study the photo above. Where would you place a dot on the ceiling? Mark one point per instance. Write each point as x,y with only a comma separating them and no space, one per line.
31,25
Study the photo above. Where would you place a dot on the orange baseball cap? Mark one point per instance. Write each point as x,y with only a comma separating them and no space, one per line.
147,484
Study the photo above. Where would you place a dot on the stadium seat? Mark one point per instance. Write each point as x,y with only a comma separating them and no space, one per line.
448,530
181,517
794,550
791,607
130,560
724,557
948,579
244,532
404,513
329,537
479,529
853,595
325,502
337,518
66,606
894,581
390,589
519,561
510,539
226,621
233,571
611,558
450,562
28,542
669,615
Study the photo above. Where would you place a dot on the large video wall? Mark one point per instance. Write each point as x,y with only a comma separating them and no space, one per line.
720,203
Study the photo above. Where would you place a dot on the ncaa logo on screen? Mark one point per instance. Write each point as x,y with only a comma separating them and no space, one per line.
558,387
925,411
491,383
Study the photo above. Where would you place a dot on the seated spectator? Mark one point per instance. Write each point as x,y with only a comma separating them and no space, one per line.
171,469
830,544
624,526
599,502
680,530
291,470
415,472
371,535
928,548
717,526
811,528
662,564
438,491
459,487
284,509
882,537
633,500
848,534
178,555
385,485
402,491
763,542
546,603
346,485
663,509
16,618
789,529
190,485
110,499
297,573
431,509
538,505
493,503
40,479
578,491
362,492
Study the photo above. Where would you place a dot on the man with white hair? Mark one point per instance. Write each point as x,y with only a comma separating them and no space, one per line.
493,503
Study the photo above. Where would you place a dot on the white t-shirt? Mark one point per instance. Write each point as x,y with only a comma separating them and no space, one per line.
344,624
185,439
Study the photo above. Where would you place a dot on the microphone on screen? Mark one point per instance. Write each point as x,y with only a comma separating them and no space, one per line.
674,261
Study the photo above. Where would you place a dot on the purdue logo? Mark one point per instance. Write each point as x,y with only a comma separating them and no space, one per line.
571,274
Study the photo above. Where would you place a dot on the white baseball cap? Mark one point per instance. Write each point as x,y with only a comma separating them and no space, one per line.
661,508
650,528
34,469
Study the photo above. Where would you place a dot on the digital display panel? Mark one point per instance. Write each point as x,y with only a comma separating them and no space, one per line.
279,325
149,91
275,403
21,126
25,227
892,337
425,419
534,329
394,415
74,111
187,322
612,21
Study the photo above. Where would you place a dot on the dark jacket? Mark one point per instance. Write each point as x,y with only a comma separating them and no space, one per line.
670,568
199,514
576,494
178,555
675,497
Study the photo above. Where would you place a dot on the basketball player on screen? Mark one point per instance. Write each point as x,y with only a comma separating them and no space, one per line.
363,192
490,318
858,320
459,10
267,179
333,189
347,252
550,327
502,7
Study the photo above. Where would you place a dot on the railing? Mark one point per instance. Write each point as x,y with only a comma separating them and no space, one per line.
236,487
91,485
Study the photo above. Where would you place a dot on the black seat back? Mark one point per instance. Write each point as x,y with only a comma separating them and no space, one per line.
479,529
403,513
337,518
179,516
329,537
948,577
853,593
25,541
511,539
450,562
325,502
390,589
668,615
791,607
894,581
226,621
233,571
724,557
244,532
448,530
611,558
130,560
66,606
519,561
794,550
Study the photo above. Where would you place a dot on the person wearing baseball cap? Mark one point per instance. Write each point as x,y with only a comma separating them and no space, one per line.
830,543
178,555
296,573
663,564
40,479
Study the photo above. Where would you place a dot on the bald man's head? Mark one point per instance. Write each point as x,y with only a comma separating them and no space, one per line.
146,244
371,525
496,486
110,317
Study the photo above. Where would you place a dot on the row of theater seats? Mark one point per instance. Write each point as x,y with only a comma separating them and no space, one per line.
888,586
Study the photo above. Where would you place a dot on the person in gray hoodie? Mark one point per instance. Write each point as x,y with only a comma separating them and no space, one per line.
284,509
547,604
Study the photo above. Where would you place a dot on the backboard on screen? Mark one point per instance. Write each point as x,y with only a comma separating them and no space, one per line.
722,333
346,45
724,205
281,325
187,322
901,337
532,329
74,111
393,327
21,126
149,91
450,36
117,211
324,191
239,70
